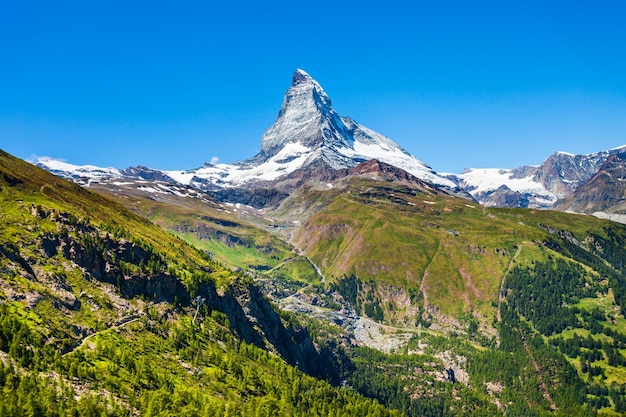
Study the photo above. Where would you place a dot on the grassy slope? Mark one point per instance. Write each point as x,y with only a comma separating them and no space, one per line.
454,252
224,232
72,345
459,255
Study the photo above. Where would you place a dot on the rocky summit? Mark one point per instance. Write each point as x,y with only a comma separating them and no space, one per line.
310,141
308,134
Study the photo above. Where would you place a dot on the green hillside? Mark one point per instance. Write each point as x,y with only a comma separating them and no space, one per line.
234,237
537,297
97,317
442,251
484,312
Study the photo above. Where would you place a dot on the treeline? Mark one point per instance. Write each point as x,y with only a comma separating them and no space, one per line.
605,255
544,291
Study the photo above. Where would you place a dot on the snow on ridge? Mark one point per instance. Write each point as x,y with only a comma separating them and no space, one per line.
183,177
398,158
291,157
481,180
71,170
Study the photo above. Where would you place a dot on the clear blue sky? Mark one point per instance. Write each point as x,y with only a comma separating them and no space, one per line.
174,84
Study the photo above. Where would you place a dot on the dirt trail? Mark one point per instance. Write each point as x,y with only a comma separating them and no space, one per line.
117,325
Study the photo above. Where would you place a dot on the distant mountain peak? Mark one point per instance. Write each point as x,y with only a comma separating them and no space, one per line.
308,131
308,134
306,117
301,77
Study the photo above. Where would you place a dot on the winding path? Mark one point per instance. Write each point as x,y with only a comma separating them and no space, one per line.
117,325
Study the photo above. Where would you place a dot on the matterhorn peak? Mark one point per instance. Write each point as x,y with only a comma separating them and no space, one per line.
306,121
301,77
308,131
308,134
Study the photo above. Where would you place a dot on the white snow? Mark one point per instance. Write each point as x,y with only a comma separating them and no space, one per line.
488,179
69,170
481,180
306,130
151,190
183,177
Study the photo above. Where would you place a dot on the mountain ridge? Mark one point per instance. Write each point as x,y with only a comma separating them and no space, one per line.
542,186
307,132
310,138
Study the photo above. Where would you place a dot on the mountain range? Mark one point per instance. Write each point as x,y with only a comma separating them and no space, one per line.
331,274
308,135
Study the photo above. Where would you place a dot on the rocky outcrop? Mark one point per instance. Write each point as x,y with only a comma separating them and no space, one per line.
99,258
145,173
605,189
562,173
259,196
251,316
559,177
503,197
255,321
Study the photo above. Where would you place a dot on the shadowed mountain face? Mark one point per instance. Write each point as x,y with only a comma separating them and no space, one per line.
604,191
308,135
557,178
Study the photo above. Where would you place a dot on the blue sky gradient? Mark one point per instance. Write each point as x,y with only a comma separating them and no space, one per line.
174,84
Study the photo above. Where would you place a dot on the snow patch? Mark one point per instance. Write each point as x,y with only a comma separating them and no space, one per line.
480,180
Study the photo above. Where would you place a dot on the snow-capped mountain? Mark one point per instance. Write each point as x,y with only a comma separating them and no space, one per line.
604,192
533,186
310,141
85,173
494,187
309,132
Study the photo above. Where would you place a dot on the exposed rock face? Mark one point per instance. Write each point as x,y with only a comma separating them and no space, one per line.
308,119
605,189
254,319
557,178
145,173
562,173
102,264
503,197
259,197
310,130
